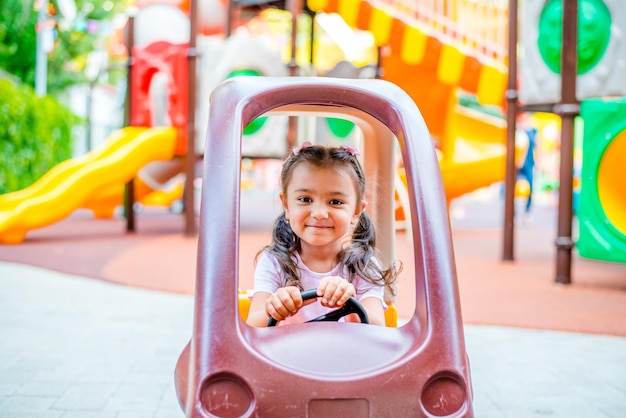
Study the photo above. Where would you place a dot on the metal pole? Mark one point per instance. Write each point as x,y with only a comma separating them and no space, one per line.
88,121
41,63
312,14
294,7
190,166
379,63
568,109
229,18
511,117
129,188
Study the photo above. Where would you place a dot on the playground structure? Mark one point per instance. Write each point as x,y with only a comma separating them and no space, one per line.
573,55
472,144
420,369
426,48
602,47
434,55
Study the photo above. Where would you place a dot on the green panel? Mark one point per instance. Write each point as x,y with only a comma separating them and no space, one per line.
256,125
594,33
341,128
602,235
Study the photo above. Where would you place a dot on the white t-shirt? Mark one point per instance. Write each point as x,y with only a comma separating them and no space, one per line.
269,277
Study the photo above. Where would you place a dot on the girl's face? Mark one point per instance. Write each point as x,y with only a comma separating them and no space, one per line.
321,204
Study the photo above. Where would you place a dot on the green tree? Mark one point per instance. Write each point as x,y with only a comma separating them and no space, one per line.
18,39
35,135
74,39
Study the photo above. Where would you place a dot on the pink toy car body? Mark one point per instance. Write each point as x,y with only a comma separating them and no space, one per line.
326,369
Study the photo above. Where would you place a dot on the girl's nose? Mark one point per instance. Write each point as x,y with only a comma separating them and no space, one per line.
319,212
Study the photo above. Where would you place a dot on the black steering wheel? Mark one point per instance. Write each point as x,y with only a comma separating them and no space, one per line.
351,306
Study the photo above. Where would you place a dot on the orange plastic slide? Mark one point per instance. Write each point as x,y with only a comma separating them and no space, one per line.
472,143
432,70
67,186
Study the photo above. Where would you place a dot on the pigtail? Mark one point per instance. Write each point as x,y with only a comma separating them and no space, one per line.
283,246
359,255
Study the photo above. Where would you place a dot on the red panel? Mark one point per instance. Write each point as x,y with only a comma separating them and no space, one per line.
171,60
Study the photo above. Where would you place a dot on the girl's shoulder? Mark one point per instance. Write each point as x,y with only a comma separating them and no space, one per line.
267,260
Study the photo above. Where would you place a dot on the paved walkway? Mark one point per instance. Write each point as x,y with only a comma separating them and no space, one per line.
72,347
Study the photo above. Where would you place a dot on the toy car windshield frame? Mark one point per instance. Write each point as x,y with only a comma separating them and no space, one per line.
418,369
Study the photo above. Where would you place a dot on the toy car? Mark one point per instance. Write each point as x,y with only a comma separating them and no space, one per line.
326,369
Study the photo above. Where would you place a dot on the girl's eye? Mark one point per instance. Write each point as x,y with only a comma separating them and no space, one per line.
304,199
336,202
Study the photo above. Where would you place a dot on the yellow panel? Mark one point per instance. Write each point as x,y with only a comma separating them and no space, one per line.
317,5
413,45
245,299
492,84
611,183
450,65
391,315
349,11
380,26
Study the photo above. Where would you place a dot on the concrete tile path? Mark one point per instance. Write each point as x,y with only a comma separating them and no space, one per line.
72,347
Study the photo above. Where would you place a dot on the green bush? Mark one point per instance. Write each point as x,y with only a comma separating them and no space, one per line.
35,135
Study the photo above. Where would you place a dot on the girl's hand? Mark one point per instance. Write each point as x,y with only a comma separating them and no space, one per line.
334,291
283,303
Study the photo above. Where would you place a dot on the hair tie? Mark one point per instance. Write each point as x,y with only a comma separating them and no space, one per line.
304,145
352,151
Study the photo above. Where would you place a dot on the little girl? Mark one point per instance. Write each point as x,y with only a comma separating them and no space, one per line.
323,240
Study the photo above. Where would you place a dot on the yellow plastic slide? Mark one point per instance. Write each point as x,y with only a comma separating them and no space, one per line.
67,186
473,151
104,203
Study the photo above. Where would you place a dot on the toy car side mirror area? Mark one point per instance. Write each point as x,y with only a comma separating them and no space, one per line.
420,369
352,306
